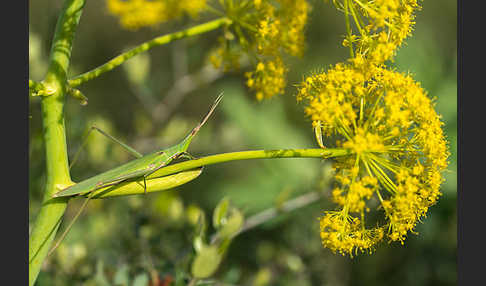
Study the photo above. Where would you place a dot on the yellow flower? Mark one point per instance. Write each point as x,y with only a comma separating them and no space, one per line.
399,150
135,14
345,234
268,79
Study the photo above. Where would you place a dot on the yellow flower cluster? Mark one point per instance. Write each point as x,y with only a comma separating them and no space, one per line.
281,28
135,14
381,26
345,234
265,31
399,151
267,79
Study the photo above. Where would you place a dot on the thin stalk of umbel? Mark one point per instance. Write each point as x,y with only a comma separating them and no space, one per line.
162,40
253,154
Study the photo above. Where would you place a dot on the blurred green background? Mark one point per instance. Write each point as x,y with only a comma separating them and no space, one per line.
150,102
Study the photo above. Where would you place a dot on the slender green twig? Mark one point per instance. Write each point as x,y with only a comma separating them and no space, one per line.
162,40
256,154
288,206
57,170
348,28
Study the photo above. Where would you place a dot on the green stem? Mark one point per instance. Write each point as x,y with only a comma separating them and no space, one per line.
246,155
162,40
270,213
57,170
348,28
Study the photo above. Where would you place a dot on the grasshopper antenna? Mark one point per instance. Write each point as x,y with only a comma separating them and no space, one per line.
196,129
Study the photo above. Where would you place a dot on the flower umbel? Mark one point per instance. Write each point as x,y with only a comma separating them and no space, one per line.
265,31
390,124
381,26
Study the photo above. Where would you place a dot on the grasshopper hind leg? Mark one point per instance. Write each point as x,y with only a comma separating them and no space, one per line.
145,176
144,185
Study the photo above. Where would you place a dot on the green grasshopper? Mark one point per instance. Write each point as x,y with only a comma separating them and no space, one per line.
142,167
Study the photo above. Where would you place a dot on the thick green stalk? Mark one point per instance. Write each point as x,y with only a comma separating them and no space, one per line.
247,155
57,167
162,40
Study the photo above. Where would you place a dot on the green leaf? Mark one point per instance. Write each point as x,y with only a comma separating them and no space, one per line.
200,232
121,276
219,213
206,262
232,224
141,280
198,243
100,278
201,225
193,213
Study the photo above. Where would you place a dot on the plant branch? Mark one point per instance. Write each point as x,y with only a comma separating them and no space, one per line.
255,154
270,213
162,40
288,206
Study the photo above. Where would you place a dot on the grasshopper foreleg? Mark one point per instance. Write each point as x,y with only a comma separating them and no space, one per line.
186,155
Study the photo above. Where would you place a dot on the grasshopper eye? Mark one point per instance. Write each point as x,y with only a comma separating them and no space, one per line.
160,153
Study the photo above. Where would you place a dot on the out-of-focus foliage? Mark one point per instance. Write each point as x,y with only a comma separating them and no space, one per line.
133,240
